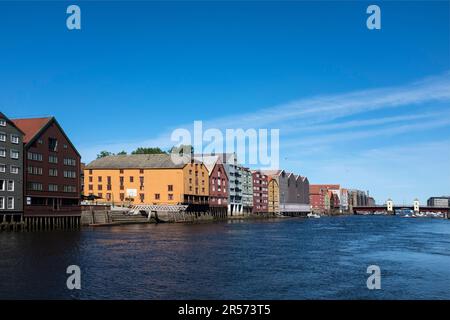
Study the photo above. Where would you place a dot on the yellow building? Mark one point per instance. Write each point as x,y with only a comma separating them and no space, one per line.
146,179
274,196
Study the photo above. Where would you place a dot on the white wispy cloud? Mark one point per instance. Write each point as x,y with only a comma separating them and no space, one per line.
320,112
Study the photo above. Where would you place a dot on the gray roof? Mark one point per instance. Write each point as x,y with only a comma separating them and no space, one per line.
135,161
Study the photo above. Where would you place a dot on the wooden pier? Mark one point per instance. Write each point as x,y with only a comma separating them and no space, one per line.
39,223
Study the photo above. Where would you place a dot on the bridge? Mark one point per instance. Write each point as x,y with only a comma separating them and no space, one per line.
391,208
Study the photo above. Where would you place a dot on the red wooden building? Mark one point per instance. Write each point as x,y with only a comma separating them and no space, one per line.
52,169
260,192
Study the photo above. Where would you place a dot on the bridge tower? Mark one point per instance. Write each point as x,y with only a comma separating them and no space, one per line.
390,206
416,205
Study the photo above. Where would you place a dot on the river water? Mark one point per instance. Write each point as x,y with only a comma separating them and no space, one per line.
291,258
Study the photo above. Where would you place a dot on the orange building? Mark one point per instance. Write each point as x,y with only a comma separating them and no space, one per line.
147,179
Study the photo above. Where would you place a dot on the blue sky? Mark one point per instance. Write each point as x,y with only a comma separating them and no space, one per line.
367,109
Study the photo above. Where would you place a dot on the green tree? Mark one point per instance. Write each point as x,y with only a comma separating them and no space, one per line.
104,153
142,150
122,153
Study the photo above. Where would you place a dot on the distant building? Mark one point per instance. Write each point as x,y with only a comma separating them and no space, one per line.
274,196
218,184
293,192
11,167
247,190
439,202
260,192
52,178
234,174
151,179
317,196
325,197
371,201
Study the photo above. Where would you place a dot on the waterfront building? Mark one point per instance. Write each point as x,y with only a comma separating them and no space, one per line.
290,202
151,179
438,202
247,190
234,173
317,198
370,201
273,196
261,192
218,184
11,168
52,163
344,200
357,198
325,198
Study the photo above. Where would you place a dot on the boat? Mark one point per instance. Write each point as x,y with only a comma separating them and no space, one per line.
313,215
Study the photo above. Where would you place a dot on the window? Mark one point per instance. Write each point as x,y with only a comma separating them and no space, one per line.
170,187
90,179
2,152
14,139
3,122
34,156
108,180
14,169
52,172
141,197
35,170
156,196
52,144
2,185
122,196
121,181
108,197
131,179
2,136
52,187
170,196
65,146
14,154
99,187
70,189
10,185
2,202
73,163
121,171
141,171
52,159
2,167
35,186
100,195
91,187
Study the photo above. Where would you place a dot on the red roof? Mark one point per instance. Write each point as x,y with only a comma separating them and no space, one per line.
31,126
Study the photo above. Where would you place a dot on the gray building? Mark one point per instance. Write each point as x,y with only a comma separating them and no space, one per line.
11,167
438,202
293,191
247,190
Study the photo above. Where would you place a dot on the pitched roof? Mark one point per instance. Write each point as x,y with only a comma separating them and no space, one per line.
315,189
272,173
135,161
210,161
3,116
328,186
31,127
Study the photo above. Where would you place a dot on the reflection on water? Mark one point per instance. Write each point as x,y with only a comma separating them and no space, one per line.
271,259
